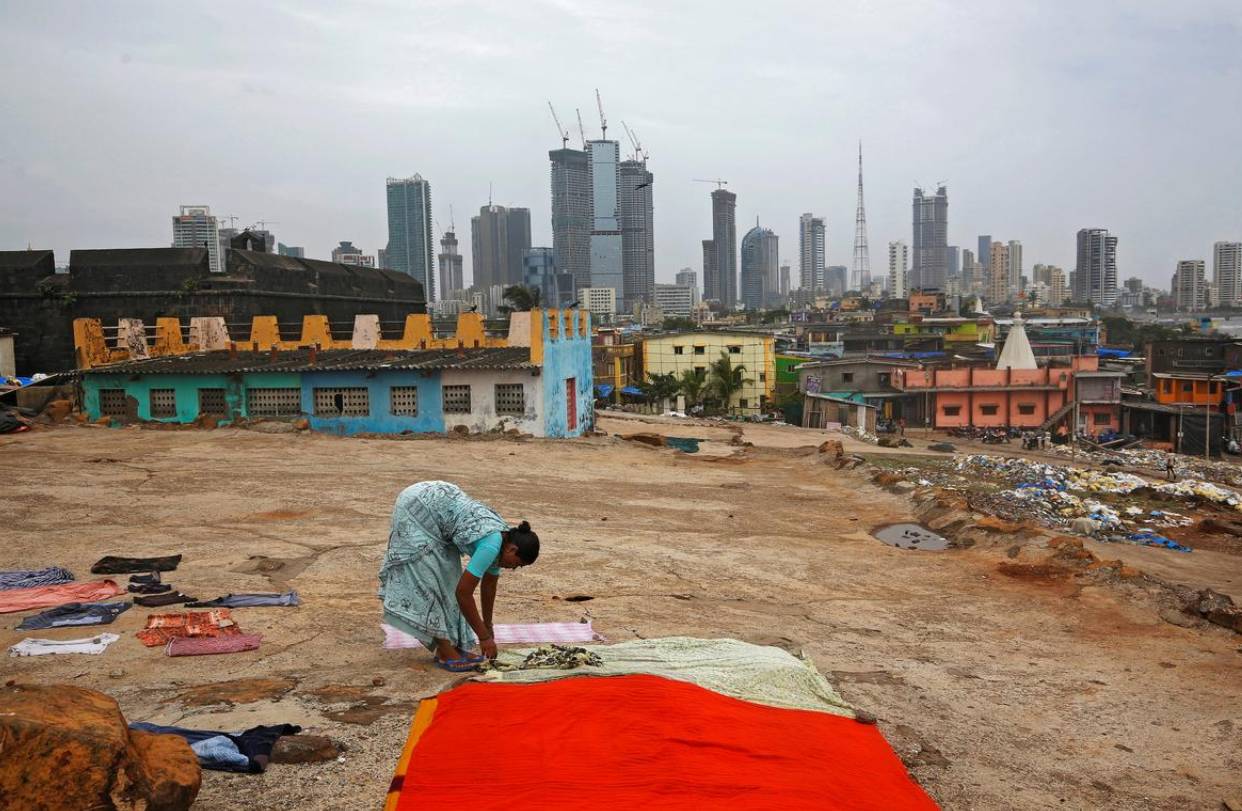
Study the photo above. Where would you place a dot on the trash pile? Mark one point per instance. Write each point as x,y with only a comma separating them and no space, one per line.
861,434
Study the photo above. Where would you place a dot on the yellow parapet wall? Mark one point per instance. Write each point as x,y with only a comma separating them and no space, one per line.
92,348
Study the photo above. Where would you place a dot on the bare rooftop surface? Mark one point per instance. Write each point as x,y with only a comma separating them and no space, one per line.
999,692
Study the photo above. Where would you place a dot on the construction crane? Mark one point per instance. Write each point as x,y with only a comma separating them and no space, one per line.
720,184
264,223
232,218
581,129
639,155
603,122
561,131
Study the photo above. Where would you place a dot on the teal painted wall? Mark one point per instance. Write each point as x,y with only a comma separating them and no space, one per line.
564,359
185,387
430,417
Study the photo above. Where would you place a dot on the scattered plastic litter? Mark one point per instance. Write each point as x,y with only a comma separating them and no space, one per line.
1148,538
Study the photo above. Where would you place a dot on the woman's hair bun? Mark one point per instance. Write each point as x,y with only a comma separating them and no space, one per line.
524,526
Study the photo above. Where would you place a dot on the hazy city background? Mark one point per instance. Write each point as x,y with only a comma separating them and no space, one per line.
1042,118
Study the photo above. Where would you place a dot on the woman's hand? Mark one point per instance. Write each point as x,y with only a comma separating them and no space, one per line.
488,647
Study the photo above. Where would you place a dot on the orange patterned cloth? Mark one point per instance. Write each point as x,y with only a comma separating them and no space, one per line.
164,627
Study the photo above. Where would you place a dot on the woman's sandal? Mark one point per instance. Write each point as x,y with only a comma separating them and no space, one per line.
457,665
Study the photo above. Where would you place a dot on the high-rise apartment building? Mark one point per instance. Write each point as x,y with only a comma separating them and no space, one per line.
1095,275
1227,272
410,248
836,278
196,227
953,261
1014,270
721,284
898,269
1190,285
607,270
996,288
688,278
1058,291
349,254
929,263
499,237
984,254
449,262
571,213
760,268
783,283
812,252
675,300
709,264
637,230
295,251
599,301
539,272
971,275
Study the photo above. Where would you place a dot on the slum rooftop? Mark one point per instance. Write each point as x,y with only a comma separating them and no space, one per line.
324,360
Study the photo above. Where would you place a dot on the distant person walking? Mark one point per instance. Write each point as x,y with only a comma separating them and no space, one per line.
1170,467
424,590
901,426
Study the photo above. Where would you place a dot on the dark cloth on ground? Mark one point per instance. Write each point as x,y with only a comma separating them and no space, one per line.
245,752
151,577
249,600
148,588
168,598
74,614
29,579
110,564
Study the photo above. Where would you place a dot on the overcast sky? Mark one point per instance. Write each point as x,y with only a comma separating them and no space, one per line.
1042,116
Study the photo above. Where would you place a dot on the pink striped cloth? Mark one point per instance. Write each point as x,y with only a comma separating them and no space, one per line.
508,634
207,645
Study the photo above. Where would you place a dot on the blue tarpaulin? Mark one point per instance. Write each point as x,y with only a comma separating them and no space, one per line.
633,390
1105,352
603,389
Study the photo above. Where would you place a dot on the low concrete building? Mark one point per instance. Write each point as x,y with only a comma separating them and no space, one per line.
858,380
680,351
537,381
8,360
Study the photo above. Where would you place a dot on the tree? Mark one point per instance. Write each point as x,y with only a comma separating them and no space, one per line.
725,380
521,298
677,324
660,387
691,385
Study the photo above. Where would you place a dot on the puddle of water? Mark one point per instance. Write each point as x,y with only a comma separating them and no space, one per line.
910,536
685,444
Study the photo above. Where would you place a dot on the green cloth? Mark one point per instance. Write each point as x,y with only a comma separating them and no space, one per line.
764,675
433,525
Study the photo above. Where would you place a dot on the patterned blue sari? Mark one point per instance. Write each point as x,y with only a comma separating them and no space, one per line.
433,525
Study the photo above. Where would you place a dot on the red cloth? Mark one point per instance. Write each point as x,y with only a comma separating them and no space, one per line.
60,594
643,742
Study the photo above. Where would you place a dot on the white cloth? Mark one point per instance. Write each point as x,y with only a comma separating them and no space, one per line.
42,647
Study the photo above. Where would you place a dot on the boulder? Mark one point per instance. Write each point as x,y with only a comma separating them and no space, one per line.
305,749
833,448
57,410
70,748
1219,609
273,427
942,447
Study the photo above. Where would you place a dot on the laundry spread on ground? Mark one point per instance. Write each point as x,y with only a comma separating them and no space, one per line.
159,600
642,742
553,657
33,578
758,673
251,600
164,627
111,564
47,596
74,614
536,632
207,646
247,752
44,647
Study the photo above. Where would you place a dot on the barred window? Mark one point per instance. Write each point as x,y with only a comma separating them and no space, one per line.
989,410
511,398
457,399
211,401
403,401
342,402
163,403
952,410
1026,408
283,402
112,402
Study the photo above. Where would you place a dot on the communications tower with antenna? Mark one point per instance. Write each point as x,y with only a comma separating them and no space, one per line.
860,277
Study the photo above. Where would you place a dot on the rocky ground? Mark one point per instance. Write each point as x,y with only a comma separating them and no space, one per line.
1002,684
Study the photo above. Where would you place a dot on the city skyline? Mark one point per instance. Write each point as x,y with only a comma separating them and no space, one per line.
113,184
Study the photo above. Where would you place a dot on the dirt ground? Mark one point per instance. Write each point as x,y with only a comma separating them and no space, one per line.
999,692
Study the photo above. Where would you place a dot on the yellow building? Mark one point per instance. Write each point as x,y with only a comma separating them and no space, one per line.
698,350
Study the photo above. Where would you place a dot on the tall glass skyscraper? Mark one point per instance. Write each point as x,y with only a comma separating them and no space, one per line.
410,249
637,225
760,268
720,279
929,262
571,213
603,158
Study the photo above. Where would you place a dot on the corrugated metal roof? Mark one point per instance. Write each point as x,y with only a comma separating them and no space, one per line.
325,360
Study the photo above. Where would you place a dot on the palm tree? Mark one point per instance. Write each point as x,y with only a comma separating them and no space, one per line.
691,385
725,380
521,298
660,388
